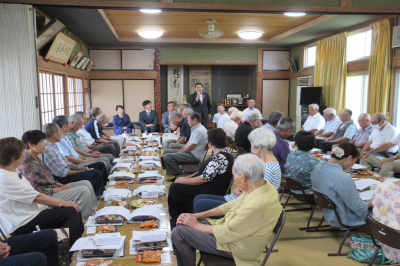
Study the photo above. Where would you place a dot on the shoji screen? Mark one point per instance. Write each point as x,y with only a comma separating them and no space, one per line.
18,71
275,96
135,92
106,94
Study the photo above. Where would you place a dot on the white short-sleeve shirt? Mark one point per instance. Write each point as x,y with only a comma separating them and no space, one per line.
16,201
379,137
247,110
332,125
316,121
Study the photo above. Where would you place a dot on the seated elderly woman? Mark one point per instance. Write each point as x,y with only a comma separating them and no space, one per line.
246,228
213,177
262,143
300,164
329,178
386,201
41,178
121,121
231,125
23,208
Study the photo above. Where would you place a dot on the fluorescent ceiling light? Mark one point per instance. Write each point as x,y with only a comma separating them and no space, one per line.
150,11
294,14
250,35
150,34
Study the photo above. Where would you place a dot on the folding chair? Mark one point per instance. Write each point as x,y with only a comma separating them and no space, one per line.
214,260
290,184
191,168
228,191
325,202
384,234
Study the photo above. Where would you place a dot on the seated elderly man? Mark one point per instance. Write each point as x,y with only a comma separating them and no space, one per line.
231,125
167,140
345,132
167,125
225,118
241,135
68,151
273,120
315,121
221,112
186,112
362,136
382,132
193,149
281,149
331,124
75,123
94,127
42,180
91,142
65,172
246,228
184,131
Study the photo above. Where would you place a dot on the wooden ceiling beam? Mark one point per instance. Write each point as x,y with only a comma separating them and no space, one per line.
109,24
301,27
210,7
192,40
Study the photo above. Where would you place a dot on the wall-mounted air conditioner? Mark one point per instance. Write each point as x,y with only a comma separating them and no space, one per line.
305,81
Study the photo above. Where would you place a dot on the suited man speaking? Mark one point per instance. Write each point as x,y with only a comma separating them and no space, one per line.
148,119
200,101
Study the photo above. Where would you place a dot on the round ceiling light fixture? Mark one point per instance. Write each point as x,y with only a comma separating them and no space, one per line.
250,35
150,34
294,14
151,11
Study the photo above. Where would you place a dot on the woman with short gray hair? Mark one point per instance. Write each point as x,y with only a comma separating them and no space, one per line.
230,237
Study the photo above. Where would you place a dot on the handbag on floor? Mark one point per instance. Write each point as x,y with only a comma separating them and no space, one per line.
364,249
63,247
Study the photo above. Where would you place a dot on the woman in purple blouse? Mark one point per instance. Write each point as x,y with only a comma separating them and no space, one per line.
121,122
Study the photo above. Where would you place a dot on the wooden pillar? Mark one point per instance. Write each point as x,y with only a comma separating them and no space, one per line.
157,84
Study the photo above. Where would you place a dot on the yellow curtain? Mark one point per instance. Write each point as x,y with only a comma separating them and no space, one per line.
379,68
330,69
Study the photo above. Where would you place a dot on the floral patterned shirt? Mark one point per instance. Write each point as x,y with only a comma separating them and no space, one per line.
38,174
217,165
299,166
386,210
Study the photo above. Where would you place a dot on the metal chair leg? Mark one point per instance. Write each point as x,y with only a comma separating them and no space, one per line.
284,205
339,253
200,260
374,256
283,191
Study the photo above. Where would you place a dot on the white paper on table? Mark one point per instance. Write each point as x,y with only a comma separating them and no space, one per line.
91,230
113,210
130,148
120,166
86,243
365,182
359,167
327,157
147,212
316,150
148,158
150,162
119,192
150,149
390,180
367,195
149,188
137,235
116,174
149,174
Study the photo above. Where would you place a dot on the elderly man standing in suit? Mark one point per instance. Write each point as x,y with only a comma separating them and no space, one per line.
200,101
148,119
167,125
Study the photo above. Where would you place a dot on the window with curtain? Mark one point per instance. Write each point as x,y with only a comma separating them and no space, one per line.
310,54
359,45
396,115
75,95
356,94
51,96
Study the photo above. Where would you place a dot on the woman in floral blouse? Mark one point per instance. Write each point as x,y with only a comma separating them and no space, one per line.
386,201
42,180
300,164
213,177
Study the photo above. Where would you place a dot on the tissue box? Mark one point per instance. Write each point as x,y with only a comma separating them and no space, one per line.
108,239
153,236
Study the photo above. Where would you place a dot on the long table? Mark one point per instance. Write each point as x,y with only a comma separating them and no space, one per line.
126,229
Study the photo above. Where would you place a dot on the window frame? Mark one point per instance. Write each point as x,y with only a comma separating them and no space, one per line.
306,53
74,94
365,84
355,32
396,102
54,92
